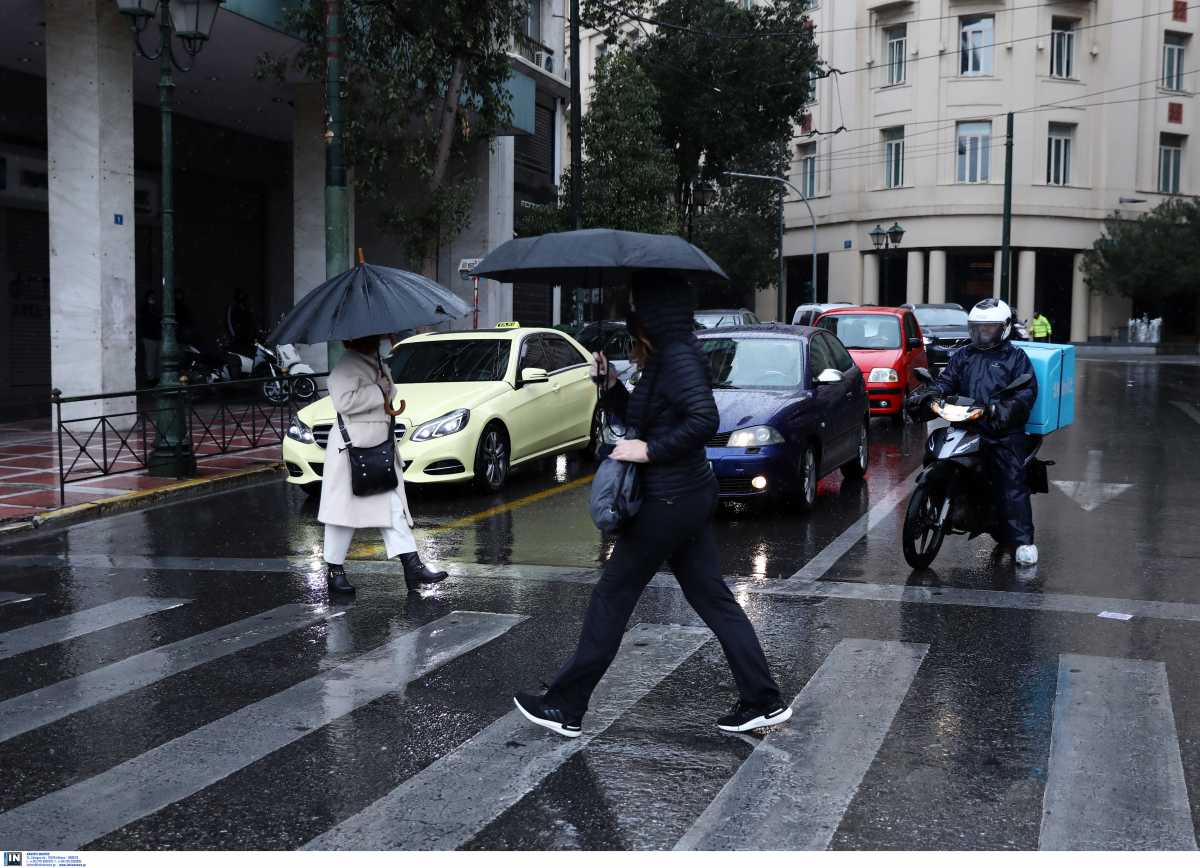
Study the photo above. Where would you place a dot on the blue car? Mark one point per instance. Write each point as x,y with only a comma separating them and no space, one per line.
793,408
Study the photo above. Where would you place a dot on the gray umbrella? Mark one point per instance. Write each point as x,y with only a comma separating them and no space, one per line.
368,300
595,257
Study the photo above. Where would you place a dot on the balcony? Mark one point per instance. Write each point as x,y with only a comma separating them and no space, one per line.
537,53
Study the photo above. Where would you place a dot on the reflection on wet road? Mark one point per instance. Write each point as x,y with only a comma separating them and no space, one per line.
177,678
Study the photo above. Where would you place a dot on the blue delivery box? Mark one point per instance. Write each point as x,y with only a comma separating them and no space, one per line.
1054,366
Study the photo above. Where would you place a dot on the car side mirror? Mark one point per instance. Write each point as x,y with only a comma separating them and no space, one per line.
829,377
916,343
534,375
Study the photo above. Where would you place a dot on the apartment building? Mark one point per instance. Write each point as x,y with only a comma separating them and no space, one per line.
912,131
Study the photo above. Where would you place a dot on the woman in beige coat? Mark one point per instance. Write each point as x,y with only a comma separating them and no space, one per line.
362,391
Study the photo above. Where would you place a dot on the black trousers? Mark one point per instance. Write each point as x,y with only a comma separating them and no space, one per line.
1011,489
679,532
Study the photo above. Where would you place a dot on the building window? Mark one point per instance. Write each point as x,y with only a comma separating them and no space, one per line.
896,45
977,42
1058,155
1173,48
974,152
1062,48
808,169
1170,162
893,157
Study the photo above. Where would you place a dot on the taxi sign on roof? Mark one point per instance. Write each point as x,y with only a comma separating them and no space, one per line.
508,325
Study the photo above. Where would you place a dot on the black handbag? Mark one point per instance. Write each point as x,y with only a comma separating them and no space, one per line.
372,468
616,493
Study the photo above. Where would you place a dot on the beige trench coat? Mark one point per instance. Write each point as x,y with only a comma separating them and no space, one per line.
354,387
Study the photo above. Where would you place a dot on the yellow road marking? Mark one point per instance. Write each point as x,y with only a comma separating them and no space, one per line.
367,551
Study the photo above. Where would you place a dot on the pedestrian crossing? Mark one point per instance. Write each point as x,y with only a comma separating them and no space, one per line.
1114,772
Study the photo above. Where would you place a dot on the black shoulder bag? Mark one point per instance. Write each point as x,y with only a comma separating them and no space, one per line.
372,468
617,487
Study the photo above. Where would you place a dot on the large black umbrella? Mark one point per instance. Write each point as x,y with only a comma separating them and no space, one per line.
595,257
368,300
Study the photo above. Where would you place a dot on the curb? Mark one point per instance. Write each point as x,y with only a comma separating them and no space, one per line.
129,501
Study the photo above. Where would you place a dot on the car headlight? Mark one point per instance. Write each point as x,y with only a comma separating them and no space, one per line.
760,435
883,375
451,423
297,430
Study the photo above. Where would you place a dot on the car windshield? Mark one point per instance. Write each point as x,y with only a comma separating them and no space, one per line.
941,317
754,363
860,331
716,320
450,361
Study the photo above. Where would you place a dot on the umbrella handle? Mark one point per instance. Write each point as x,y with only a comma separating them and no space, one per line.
361,261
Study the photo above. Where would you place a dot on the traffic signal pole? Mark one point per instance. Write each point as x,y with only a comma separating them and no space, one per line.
1006,231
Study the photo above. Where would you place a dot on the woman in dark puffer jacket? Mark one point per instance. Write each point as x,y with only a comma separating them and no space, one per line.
673,407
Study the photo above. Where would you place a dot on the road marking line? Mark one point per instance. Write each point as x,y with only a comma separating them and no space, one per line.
1191,411
849,538
792,791
76,815
55,630
7,597
55,701
452,800
367,550
1115,777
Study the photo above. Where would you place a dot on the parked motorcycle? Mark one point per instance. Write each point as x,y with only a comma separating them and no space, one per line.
282,362
954,493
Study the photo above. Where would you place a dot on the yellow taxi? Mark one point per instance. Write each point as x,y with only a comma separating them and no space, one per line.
477,404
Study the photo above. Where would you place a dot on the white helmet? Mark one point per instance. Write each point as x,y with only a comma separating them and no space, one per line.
989,323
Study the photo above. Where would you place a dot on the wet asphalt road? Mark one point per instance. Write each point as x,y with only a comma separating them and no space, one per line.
177,677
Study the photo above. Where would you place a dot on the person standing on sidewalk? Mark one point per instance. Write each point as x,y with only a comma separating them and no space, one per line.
673,525
1040,328
362,392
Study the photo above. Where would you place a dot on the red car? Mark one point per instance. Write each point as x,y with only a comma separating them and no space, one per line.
887,345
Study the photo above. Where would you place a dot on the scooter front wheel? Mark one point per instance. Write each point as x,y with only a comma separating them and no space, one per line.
924,529
303,389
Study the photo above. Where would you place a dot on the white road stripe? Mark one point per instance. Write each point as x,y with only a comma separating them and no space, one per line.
23,639
449,802
71,817
1115,778
849,538
1191,411
792,791
55,701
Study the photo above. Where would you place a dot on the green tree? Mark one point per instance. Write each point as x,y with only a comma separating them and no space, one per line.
628,174
425,83
1154,260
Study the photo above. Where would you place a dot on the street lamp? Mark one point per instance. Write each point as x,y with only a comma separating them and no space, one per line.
192,21
884,240
811,216
702,195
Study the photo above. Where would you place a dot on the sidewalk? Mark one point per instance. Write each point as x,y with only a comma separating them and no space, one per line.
29,468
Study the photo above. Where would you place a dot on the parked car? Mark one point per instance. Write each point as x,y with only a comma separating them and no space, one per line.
944,327
720,318
887,345
610,337
807,314
477,403
793,409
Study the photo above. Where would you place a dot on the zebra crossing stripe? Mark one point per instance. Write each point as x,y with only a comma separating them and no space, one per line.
71,817
55,701
24,639
450,801
792,791
1115,777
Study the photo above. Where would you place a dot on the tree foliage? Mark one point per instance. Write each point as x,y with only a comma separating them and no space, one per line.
424,83
1154,259
627,172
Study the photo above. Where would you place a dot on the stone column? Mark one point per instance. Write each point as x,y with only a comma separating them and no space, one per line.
845,276
916,277
495,299
870,282
89,130
937,276
1026,283
1080,297
997,266
308,203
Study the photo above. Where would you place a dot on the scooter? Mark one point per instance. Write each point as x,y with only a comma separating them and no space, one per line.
281,362
954,494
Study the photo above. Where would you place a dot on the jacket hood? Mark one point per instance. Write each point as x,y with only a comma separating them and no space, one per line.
666,313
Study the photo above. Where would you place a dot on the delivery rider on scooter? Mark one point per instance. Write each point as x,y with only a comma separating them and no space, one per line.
980,371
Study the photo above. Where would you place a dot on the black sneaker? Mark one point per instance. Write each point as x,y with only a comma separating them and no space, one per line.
554,719
744,717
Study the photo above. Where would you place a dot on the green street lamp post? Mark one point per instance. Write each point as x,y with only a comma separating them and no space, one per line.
192,21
